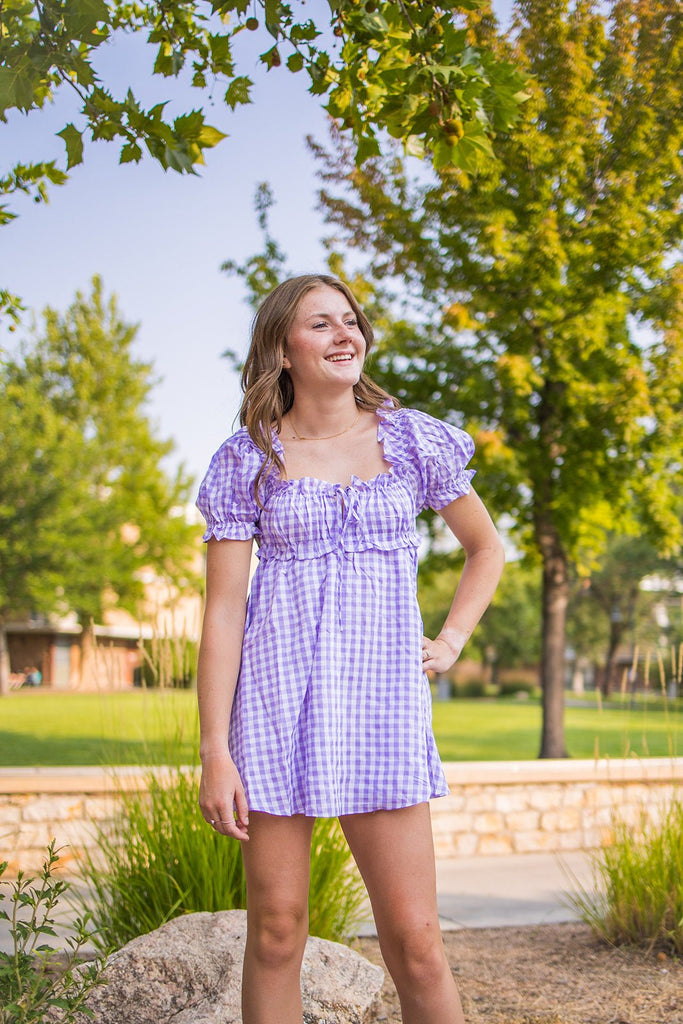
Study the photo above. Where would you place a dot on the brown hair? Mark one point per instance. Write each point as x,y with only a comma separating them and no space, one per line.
267,386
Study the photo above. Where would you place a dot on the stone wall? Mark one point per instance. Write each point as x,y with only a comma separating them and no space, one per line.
494,807
501,807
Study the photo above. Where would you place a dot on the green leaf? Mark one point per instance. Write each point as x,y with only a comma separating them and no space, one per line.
273,10
73,140
131,152
237,92
163,62
81,17
368,146
220,50
18,86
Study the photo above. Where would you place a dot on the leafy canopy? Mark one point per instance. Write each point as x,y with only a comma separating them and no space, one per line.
401,67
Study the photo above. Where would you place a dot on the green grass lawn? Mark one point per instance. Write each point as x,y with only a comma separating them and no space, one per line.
155,726
152,727
504,730
139,727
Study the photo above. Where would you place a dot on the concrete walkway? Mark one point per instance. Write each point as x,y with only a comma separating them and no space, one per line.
494,892
483,892
525,888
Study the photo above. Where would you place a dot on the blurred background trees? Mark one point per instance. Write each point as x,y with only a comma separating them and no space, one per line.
86,502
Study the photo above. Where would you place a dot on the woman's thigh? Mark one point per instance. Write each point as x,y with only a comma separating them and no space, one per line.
277,863
394,851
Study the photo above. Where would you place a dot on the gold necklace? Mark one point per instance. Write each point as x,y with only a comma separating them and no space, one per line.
328,437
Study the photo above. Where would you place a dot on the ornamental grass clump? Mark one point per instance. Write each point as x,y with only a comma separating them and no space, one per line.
158,859
638,894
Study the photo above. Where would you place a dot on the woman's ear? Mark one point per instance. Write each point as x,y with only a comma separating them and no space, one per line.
286,363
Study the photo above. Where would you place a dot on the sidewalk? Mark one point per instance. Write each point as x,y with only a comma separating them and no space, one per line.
494,892
519,889
488,892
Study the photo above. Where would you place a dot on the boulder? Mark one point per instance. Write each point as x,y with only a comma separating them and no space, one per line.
189,972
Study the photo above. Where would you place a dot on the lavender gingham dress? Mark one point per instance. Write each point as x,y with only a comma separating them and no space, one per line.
332,711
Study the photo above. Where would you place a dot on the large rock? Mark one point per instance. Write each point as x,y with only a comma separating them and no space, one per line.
189,972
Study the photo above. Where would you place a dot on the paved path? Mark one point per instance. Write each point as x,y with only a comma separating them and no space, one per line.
490,892
519,889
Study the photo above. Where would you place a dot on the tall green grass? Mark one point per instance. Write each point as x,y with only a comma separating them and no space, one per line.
159,859
637,899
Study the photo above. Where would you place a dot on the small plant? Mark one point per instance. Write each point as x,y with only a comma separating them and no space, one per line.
35,978
159,859
638,896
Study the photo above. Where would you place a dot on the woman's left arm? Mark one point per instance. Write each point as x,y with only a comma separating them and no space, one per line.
470,523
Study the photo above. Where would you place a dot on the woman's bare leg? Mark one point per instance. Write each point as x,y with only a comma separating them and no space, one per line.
277,869
394,851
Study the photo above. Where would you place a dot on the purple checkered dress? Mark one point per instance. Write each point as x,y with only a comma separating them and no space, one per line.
332,711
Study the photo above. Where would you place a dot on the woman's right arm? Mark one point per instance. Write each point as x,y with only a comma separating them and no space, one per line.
221,794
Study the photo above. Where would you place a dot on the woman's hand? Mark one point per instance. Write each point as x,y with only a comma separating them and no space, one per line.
222,798
439,654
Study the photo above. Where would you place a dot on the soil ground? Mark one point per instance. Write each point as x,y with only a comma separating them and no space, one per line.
551,974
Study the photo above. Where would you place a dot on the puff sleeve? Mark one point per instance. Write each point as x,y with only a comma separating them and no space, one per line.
441,453
226,495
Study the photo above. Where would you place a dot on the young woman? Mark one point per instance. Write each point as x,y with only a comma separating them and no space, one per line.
313,697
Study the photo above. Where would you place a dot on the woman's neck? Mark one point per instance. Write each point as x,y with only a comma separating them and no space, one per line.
312,416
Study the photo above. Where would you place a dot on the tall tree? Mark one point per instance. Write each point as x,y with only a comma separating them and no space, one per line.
403,68
86,503
543,296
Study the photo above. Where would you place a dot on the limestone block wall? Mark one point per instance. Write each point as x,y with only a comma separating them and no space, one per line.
494,807
501,807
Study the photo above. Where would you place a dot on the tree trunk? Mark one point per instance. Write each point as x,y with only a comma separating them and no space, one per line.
615,632
555,597
4,661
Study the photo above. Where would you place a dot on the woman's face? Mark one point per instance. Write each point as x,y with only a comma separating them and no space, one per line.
325,346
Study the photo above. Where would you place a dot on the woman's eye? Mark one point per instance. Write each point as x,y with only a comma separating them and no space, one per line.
321,324
352,322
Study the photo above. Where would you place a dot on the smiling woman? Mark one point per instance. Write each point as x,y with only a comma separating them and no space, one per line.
313,696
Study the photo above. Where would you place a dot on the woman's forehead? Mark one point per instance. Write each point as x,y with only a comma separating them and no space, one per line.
321,300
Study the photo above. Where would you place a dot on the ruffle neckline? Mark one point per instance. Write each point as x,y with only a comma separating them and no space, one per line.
313,484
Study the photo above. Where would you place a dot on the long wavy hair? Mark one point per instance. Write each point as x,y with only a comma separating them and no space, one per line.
267,386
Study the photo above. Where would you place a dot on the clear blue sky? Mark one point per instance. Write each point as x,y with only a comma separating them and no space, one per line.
157,239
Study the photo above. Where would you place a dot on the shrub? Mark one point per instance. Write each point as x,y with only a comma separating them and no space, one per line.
470,688
638,894
510,687
159,859
36,980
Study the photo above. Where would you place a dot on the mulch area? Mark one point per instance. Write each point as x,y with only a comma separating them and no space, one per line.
551,974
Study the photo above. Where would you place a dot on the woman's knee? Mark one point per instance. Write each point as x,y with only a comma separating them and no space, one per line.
276,936
416,955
